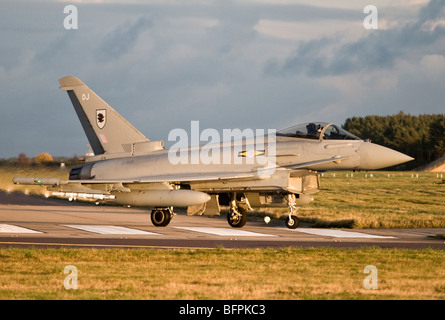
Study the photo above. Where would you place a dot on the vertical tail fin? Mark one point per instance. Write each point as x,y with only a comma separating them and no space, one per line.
106,130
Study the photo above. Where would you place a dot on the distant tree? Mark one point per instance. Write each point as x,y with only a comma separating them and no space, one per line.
437,133
23,159
43,158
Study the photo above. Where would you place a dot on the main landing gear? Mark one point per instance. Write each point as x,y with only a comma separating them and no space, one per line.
161,217
237,215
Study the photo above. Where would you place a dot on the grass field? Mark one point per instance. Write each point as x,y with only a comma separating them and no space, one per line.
288,273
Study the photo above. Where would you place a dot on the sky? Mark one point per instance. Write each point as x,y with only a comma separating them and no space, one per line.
259,64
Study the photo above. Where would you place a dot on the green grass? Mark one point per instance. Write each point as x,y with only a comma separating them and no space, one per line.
288,273
385,200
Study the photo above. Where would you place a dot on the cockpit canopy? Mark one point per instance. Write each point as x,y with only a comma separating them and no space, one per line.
317,130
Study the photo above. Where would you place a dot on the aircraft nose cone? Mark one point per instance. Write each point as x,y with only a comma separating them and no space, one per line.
374,156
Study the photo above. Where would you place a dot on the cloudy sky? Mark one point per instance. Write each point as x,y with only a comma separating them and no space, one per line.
229,64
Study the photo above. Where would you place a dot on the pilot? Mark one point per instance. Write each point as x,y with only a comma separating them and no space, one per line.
311,129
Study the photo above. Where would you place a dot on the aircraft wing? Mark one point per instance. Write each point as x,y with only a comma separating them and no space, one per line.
174,178
151,179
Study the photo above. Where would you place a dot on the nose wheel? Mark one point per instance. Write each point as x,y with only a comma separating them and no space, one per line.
292,222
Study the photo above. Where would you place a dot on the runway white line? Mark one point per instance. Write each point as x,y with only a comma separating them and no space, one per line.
7,228
101,229
225,232
339,233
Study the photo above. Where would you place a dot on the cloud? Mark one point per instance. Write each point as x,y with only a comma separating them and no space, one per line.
380,49
433,10
122,39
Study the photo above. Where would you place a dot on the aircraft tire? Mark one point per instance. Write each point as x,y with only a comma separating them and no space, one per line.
237,221
293,224
160,217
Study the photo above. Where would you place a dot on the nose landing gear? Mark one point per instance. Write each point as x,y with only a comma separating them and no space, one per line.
292,220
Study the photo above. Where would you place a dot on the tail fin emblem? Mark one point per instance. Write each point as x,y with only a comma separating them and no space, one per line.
101,118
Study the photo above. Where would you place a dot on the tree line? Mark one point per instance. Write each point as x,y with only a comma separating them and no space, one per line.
41,159
421,137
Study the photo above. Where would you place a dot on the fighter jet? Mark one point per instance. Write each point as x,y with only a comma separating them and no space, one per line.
278,169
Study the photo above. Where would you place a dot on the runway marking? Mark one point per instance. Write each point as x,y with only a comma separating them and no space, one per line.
101,229
7,228
340,233
225,232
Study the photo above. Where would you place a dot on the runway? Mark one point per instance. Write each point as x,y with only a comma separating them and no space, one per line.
32,221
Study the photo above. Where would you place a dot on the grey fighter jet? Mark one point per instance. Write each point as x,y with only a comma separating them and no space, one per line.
273,170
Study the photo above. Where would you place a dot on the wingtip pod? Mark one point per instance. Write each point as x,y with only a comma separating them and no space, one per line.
69,82
36,181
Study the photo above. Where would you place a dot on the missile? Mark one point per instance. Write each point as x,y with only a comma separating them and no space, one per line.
36,181
162,198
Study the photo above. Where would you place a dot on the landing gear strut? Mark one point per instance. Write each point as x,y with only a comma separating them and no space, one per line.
237,216
292,220
161,217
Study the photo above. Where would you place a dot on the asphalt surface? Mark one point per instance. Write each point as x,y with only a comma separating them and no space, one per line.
33,221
